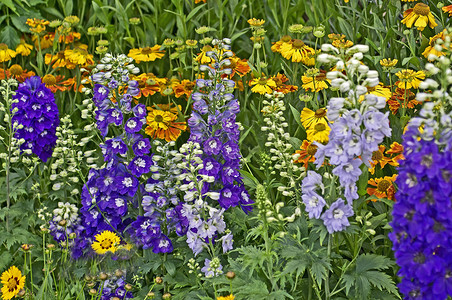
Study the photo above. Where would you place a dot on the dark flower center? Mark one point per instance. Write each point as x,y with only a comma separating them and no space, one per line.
446,175
321,77
12,284
298,44
106,244
319,127
421,9
409,215
16,70
3,46
49,79
377,156
311,149
286,38
428,197
320,113
383,185
158,118
146,50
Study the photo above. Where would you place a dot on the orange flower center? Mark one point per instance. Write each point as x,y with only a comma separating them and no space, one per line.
320,113
3,46
311,149
49,79
298,44
383,185
421,9
16,70
377,156
319,127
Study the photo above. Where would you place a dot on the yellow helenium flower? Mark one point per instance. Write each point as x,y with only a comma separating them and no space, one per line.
319,133
419,16
146,53
310,118
430,49
262,85
277,45
409,79
37,25
5,53
202,57
13,282
79,55
229,297
297,50
388,63
23,48
314,80
378,90
256,22
163,124
106,241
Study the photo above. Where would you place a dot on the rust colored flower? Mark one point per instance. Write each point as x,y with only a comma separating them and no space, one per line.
382,187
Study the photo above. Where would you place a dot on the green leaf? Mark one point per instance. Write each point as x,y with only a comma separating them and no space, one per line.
10,37
296,114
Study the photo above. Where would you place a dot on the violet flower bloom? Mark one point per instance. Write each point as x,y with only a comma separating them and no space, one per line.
336,217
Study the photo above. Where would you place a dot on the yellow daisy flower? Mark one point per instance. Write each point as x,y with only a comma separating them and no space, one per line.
23,48
409,78
388,63
419,16
314,80
297,50
277,45
5,53
229,297
319,133
310,118
37,25
378,90
79,55
262,85
13,282
202,57
163,124
146,53
106,241
431,46
256,22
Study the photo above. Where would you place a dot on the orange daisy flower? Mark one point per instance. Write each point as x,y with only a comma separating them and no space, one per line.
71,83
448,9
16,72
383,187
148,84
238,66
184,88
281,86
307,152
378,158
397,154
162,123
69,38
55,83
397,100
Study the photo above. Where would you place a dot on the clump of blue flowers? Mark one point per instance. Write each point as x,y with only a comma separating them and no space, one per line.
422,214
36,117
213,125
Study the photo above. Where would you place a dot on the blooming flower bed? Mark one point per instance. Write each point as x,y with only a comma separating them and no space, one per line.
225,150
